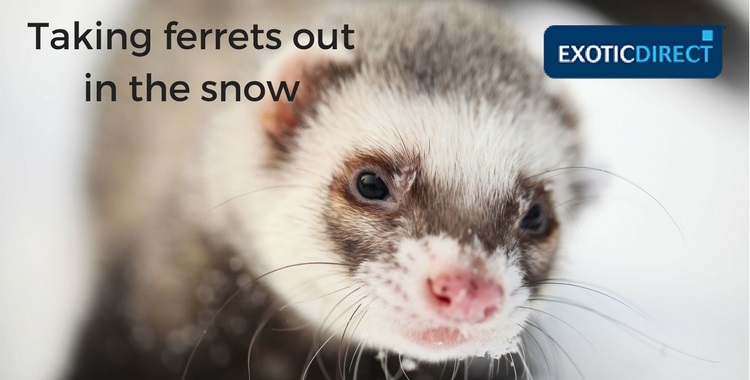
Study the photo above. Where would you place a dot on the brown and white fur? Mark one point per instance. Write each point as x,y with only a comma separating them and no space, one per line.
439,100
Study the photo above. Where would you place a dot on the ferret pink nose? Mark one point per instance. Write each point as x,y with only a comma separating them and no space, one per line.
465,298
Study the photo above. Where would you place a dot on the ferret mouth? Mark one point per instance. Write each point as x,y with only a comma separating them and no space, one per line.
437,338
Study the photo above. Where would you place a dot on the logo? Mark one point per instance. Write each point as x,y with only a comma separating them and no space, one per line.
633,51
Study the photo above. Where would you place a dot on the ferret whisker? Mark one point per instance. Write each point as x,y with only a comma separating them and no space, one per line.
471,361
343,335
310,361
257,191
397,376
354,355
270,313
309,172
583,198
316,298
527,367
442,371
455,369
339,363
595,289
383,359
361,340
551,339
401,365
323,326
541,349
570,214
559,319
629,181
384,366
307,323
235,294
351,336
359,357
513,365
638,334
490,368
522,356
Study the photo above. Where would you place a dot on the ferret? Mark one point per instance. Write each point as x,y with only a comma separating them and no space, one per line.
393,220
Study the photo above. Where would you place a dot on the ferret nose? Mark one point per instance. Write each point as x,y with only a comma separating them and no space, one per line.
465,298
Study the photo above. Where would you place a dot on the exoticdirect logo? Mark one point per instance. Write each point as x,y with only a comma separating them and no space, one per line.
633,51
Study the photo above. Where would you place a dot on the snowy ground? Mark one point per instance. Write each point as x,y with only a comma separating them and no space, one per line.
685,142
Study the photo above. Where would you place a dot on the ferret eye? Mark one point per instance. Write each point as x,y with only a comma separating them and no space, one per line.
536,220
371,186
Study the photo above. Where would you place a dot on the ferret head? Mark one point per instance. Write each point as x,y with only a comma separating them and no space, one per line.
415,161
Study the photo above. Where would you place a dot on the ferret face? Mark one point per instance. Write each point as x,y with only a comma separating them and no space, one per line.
437,210
422,178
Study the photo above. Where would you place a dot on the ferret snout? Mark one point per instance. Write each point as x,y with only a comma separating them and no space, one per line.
444,299
463,296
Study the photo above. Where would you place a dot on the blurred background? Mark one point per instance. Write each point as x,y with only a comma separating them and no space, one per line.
685,142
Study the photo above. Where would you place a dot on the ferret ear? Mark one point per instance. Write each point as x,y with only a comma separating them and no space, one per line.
316,71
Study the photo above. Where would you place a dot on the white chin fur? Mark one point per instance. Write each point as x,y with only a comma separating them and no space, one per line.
397,308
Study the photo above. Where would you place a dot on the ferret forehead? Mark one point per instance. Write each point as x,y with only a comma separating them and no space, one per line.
460,141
